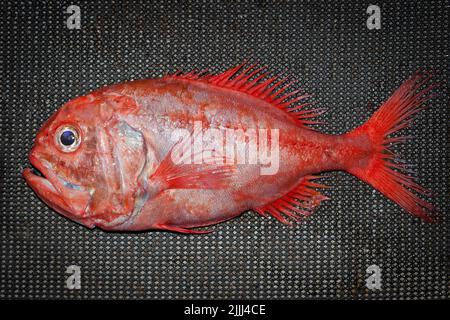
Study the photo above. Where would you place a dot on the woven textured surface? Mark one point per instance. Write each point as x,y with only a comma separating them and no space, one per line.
333,54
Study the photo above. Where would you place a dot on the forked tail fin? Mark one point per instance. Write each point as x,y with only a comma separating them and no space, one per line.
383,170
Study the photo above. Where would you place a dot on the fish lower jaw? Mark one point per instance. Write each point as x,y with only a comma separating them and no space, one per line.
70,185
68,199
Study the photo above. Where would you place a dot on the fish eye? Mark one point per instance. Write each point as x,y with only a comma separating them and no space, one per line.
68,138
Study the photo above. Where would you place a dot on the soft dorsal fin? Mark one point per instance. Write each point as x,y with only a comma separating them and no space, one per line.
296,204
256,81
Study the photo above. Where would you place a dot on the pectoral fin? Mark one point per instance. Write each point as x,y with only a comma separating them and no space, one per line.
176,174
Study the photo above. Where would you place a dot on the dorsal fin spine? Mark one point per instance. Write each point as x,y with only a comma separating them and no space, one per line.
249,76
242,77
255,81
280,100
276,90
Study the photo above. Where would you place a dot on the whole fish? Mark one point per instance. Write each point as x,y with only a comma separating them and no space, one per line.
194,149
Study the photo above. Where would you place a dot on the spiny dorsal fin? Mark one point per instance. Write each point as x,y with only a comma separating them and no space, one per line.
296,204
256,81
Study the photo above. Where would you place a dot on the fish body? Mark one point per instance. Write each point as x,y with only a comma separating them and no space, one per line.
192,150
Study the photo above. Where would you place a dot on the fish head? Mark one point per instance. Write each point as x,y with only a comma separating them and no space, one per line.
89,163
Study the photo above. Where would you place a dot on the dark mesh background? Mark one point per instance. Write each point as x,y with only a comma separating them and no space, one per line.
328,47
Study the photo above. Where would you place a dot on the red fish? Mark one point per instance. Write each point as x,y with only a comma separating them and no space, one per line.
195,149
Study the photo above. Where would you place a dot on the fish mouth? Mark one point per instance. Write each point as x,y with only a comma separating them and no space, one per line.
69,199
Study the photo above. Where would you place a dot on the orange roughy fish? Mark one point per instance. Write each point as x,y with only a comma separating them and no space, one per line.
146,154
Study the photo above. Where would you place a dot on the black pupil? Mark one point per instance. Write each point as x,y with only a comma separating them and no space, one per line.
67,138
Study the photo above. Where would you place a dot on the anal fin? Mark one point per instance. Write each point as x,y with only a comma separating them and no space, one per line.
296,204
